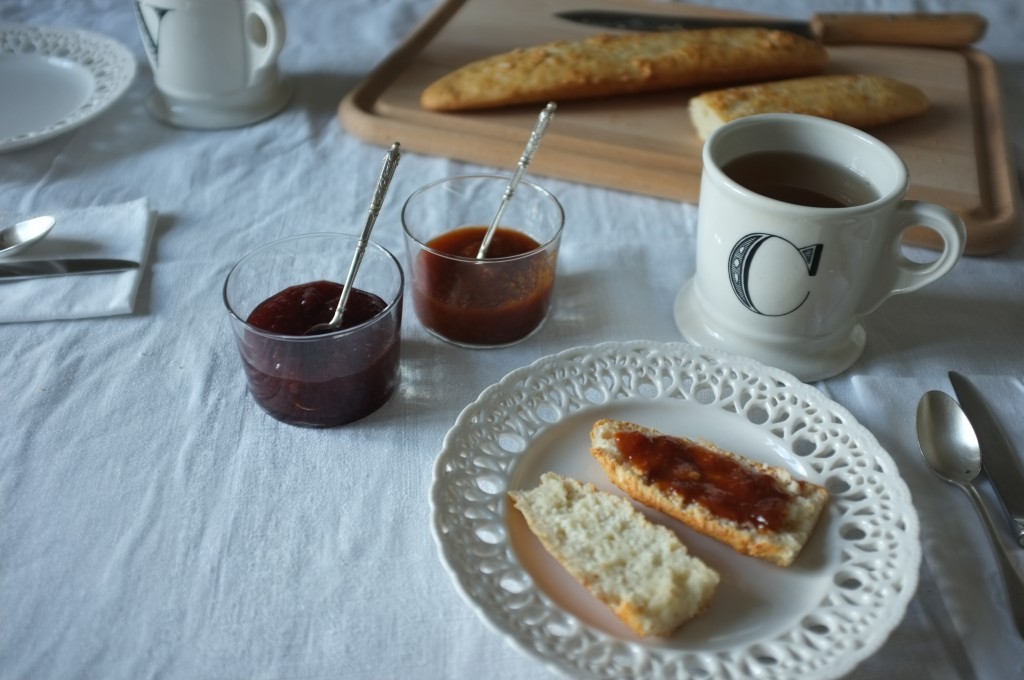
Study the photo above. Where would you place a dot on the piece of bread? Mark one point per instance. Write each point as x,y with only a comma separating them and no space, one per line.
858,100
757,509
605,65
639,569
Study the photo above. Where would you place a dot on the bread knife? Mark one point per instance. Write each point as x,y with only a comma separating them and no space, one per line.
997,456
959,29
34,269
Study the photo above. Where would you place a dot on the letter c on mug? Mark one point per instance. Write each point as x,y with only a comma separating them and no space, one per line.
770,253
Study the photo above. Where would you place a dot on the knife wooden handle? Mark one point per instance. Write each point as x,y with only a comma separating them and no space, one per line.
926,30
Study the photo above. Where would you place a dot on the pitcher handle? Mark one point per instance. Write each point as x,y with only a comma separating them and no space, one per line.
263,52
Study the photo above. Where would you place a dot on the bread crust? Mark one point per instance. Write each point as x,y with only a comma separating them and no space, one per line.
860,100
804,507
605,65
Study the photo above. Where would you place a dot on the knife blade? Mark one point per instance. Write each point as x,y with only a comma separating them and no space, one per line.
33,269
997,456
955,29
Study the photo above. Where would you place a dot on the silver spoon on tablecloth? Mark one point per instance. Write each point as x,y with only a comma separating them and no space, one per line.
17,237
950,446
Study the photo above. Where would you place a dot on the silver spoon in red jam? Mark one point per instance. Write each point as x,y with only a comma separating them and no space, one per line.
381,190
300,309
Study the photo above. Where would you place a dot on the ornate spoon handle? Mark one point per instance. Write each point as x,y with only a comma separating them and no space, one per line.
543,120
387,172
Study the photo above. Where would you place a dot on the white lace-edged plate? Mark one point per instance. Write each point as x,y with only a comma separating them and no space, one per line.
814,620
56,79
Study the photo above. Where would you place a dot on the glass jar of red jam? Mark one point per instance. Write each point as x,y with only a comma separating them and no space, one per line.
279,292
491,302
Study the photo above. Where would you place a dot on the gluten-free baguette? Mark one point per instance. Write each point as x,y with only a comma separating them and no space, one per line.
860,100
639,569
604,65
759,510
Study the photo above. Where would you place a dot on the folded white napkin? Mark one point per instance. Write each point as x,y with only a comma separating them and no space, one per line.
120,231
957,552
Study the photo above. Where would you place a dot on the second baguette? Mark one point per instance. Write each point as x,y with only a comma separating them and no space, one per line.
858,100
604,65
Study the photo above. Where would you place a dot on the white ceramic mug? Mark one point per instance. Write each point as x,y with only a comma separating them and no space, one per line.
214,61
787,283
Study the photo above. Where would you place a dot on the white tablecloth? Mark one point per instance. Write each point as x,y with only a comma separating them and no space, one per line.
155,523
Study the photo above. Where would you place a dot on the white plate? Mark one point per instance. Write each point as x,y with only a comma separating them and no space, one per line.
55,79
813,620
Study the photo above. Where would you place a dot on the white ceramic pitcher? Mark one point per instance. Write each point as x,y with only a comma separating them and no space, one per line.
214,61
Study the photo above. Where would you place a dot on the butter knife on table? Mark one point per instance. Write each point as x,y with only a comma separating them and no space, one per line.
35,269
959,29
997,456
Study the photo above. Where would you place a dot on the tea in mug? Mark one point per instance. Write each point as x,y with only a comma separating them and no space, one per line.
800,179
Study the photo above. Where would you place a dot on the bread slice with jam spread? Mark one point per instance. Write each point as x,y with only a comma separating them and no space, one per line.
759,510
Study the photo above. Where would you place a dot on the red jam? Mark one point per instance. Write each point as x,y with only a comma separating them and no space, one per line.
700,475
495,304
295,310
322,381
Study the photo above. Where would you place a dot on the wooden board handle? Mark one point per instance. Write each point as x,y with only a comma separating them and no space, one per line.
931,30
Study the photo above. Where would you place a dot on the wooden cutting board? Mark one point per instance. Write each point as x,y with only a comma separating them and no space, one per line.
958,154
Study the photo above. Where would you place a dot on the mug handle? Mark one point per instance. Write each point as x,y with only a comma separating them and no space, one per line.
263,54
909,275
